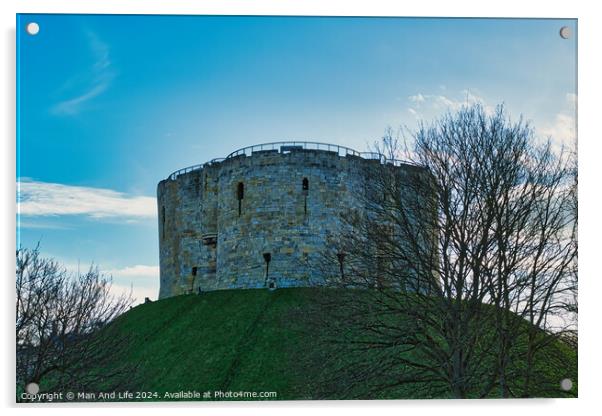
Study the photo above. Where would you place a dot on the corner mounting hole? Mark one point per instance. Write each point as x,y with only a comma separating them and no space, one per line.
32,388
566,384
565,32
32,28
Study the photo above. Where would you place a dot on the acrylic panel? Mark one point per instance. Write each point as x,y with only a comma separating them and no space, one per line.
218,208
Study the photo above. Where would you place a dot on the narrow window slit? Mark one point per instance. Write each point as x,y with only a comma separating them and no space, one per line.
305,188
240,194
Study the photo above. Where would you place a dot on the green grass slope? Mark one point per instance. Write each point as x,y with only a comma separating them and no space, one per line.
234,340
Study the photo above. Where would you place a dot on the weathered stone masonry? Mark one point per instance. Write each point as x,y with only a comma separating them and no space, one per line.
219,221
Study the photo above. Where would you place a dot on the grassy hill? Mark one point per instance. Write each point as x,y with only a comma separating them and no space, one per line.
235,340
224,340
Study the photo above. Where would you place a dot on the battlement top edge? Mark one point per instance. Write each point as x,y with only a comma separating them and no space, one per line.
286,147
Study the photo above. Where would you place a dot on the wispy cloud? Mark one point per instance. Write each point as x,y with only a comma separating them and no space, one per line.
97,80
138,293
43,225
143,281
562,130
139,281
138,270
418,98
47,199
571,99
424,106
560,127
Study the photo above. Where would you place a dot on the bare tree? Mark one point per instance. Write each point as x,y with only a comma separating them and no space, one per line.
63,332
457,263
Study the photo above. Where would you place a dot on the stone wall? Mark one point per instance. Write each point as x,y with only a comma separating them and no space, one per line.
216,222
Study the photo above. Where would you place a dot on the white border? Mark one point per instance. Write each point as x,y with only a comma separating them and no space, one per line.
508,8
590,96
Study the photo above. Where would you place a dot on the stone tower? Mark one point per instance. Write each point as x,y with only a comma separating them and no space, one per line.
253,219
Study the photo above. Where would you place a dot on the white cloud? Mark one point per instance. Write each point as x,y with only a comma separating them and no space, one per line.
138,270
140,281
72,106
571,99
426,106
144,281
138,292
45,225
48,199
560,127
96,82
562,130
418,98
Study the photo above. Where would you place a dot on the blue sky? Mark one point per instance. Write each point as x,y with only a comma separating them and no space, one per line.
110,105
